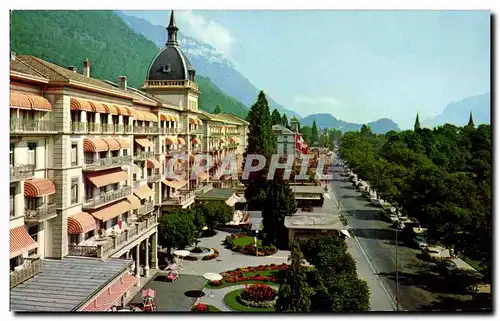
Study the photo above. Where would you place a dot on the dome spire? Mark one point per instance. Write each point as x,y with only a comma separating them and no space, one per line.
172,31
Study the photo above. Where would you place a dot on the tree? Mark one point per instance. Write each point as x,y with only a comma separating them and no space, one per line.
284,121
276,118
417,124
471,121
294,294
177,230
218,109
215,213
314,134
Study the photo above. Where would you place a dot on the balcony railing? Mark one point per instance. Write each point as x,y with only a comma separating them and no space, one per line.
30,270
203,188
21,172
94,127
113,244
175,151
166,131
153,178
146,208
97,164
179,200
145,129
170,83
196,131
128,128
33,126
78,127
107,197
216,134
41,213
143,155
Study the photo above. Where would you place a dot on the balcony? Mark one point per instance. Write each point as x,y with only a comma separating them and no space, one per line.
41,213
232,145
78,127
181,200
104,163
145,209
26,126
177,151
203,188
143,155
145,129
21,172
153,178
169,131
196,131
107,246
170,83
216,134
128,128
105,198
31,267
94,127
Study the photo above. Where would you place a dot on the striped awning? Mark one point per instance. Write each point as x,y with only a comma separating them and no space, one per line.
79,104
151,117
81,223
175,184
124,143
25,100
143,192
134,114
20,242
119,109
112,109
144,142
39,187
170,141
202,175
196,141
153,163
111,296
107,177
126,111
141,115
181,141
92,145
112,143
99,107
111,211
165,117
135,203
195,121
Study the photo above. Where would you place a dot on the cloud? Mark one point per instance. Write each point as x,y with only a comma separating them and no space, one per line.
209,31
318,101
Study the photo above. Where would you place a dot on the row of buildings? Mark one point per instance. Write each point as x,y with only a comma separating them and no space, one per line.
88,164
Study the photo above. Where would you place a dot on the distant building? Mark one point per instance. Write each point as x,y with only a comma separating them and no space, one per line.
285,139
302,225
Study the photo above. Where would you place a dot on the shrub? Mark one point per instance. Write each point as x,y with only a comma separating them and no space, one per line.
211,256
200,308
215,283
258,293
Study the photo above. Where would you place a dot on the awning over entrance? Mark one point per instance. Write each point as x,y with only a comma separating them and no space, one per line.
144,142
108,212
20,241
175,184
25,100
112,143
135,203
106,177
143,192
123,142
111,295
153,163
81,223
79,104
92,145
99,107
39,187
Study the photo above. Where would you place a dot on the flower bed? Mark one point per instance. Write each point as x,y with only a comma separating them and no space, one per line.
211,256
201,307
244,244
260,274
258,296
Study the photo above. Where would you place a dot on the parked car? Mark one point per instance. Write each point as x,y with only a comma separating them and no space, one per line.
376,201
447,266
432,253
420,242
398,225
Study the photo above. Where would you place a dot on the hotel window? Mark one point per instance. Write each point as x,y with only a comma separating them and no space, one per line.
103,118
74,154
115,153
75,116
33,232
125,152
74,238
74,190
32,154
114,119
103,155
90,117
12,147
89,234
12,201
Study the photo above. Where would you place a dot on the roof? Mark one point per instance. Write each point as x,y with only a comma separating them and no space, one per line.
216,194
318,221
212,117
19,66
307,189
234,118
282,130
64,285
170,64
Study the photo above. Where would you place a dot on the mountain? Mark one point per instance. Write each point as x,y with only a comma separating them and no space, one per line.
68,37
207,61
380,126
457,113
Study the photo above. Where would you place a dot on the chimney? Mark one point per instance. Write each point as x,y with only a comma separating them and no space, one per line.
72,68
12,55
86,68
122,82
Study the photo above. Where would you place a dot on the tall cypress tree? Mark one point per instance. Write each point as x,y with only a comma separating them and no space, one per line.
417,124
314,134
284,121
276,117
471,121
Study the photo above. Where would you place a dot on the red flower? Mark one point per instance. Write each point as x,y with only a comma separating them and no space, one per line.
258,293
200,308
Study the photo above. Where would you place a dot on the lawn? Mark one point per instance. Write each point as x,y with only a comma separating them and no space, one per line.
231,300
246,240
247,274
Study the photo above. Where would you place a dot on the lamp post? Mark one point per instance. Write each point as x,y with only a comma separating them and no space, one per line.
397,273
255,241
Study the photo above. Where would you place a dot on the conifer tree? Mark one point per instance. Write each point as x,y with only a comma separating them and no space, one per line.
218,109
314,134
417,124
471,121
284,121
276,117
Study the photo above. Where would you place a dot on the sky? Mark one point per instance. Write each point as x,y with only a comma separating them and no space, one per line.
359,66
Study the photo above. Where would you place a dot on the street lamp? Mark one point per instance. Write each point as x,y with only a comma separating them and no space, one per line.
255,240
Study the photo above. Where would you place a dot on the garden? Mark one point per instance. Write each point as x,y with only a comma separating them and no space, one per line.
252,298
253,274
245,244
201,307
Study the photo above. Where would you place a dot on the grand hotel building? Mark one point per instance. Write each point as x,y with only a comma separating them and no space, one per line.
87,175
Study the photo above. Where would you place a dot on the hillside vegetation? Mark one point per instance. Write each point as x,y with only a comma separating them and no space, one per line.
113,48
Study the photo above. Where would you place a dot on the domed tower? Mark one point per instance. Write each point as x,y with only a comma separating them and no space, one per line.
171,77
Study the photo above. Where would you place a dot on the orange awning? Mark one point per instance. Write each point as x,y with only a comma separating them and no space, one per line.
124,143
143,192
195,121
170,141
144,142
181,141
98,107
196,141
25,100
94,145
134,114
112,143
126,111
20,242
111,295
111,211
118,109
106,177
166,117
175,184
112,109
135,203
79,104
151,117
39,187
153,163
81,223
